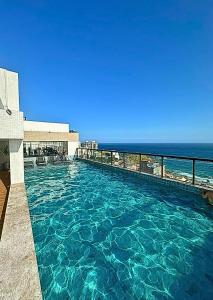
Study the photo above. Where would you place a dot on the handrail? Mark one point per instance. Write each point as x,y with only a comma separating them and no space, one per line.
151,154
162,156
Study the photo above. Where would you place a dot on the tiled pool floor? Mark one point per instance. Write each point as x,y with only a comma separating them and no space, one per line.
100,234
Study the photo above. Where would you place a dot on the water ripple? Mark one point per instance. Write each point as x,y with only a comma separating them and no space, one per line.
106,235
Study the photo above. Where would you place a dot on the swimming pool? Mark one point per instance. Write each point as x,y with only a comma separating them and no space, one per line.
104,234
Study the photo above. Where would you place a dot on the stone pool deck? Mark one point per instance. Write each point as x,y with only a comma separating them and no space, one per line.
19,277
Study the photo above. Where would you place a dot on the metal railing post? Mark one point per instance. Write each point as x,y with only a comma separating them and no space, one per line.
162,166
140,163
193,171
87,153
81,153
111,157
101,156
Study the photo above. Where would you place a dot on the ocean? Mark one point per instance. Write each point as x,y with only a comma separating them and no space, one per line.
191,150
204,171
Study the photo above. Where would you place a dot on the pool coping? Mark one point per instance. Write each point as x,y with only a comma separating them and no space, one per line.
19,277
196,189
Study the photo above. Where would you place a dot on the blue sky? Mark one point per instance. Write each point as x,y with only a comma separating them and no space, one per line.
117,71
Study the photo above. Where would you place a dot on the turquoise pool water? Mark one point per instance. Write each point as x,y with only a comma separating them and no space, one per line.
103,234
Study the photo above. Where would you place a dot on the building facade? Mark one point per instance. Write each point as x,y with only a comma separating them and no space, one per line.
21,139
49,139
11,127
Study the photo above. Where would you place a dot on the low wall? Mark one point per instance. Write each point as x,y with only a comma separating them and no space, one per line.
19,277
16,161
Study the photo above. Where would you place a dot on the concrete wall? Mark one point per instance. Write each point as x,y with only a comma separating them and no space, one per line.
41,136
45,126
16,161
72,148
11,126
9,93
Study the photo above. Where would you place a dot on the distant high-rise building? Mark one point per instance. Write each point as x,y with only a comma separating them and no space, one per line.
89,145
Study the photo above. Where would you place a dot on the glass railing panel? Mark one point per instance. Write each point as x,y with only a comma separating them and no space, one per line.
95,155
117,159
91,154
204,173
172,168
178,169
98,156
79,153
84,153
132,161
151,165
106,157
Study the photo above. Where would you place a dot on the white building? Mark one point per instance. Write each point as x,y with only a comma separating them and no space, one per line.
11,127
19,138
49,139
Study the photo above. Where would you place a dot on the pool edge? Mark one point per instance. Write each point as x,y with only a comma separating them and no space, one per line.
19,276
196,189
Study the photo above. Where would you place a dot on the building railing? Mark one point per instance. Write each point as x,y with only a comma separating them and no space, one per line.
189,170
